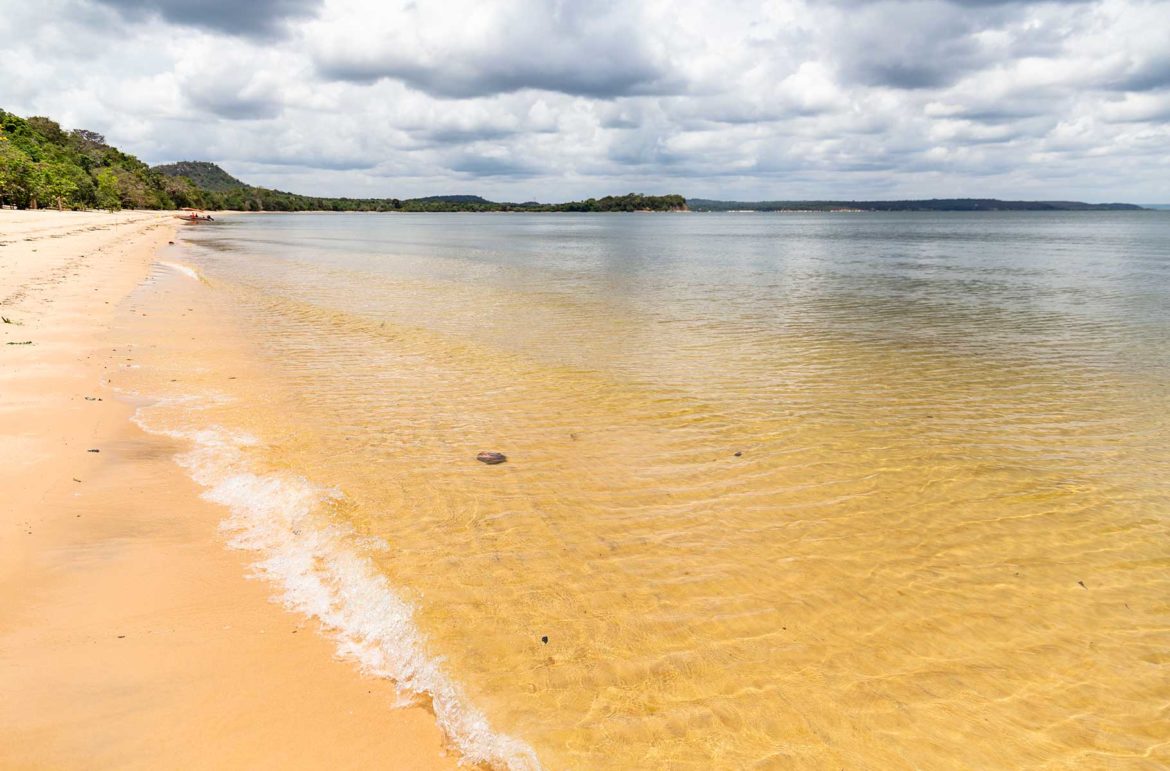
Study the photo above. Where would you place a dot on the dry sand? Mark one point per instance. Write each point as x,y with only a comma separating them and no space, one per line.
129,636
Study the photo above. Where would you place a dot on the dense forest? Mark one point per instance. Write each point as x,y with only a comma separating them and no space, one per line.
43,165
933,204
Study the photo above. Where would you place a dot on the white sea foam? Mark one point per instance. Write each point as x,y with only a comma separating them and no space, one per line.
185,270
322,573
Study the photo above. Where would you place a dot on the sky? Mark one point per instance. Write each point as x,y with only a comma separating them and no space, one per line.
548,100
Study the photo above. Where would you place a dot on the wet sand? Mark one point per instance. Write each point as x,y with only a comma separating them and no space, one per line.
129,635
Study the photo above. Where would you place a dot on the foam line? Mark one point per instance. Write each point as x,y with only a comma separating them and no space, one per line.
185,270
322,573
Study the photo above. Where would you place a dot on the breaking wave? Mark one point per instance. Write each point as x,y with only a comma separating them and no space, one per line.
322,573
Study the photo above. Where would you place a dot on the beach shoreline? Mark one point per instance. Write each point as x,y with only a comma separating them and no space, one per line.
129,634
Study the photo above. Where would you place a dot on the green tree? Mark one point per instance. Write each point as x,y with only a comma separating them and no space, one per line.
58,183
107,191
47,128
15,170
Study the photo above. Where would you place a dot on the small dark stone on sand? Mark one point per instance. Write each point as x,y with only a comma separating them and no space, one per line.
93,450
544,639
491,458
1082,583
739,454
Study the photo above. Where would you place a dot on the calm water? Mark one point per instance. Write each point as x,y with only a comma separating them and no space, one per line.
783,490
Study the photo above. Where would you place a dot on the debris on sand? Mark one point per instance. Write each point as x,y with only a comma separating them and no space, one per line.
491,458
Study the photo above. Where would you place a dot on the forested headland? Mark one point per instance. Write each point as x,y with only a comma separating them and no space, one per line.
43,165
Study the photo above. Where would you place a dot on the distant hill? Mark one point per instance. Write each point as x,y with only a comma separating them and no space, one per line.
223,191
454,199
206,176
933,204
43,164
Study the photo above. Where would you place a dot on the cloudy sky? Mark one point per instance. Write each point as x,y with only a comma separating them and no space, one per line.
551,100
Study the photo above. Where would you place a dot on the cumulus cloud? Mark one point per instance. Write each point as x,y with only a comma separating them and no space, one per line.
249,18
230,86
523,99
462,48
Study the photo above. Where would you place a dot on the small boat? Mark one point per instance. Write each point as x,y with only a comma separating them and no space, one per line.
194,215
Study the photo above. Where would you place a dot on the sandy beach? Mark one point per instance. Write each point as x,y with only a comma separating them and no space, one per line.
129,635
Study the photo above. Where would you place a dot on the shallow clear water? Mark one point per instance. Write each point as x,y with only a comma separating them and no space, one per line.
814,490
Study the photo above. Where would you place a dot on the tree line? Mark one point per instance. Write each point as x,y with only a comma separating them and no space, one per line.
43,165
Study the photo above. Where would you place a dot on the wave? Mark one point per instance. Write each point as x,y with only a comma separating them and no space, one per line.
323,574
185,270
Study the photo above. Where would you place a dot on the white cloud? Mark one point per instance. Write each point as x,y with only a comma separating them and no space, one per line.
522,99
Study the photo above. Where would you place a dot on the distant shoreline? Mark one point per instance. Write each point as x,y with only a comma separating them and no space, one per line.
919,205
1089,208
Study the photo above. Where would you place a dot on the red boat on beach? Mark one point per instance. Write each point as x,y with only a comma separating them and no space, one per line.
194,215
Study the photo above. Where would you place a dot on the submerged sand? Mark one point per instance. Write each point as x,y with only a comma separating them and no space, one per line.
792,516
129,636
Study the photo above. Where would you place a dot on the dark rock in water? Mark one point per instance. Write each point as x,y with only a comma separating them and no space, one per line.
491,458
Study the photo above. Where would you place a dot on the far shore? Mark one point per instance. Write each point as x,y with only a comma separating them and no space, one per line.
129,635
